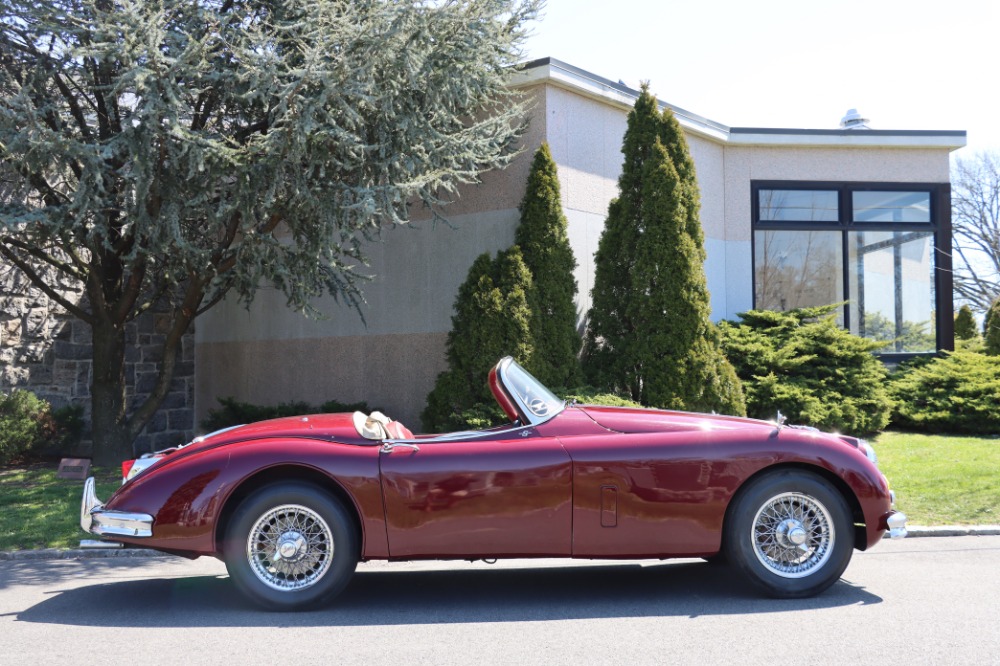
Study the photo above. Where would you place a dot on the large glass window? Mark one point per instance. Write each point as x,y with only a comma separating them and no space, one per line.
798,205
797,269
891,281
876,247
892,206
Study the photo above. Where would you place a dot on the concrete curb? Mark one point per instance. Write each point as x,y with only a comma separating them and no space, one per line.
953,530
914,532
79,554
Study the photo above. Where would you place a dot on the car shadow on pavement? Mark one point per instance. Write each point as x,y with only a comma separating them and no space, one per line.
455,596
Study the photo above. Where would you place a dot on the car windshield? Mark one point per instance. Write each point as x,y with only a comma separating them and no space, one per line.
536,401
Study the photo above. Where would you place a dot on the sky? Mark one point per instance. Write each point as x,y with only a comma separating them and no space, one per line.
914,64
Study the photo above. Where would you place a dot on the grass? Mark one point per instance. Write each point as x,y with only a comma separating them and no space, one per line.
939,480
943,480
41,511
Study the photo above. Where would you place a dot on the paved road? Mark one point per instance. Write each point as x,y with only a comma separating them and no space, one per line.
918,601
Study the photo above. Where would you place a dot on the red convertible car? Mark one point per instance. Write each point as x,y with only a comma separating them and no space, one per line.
291,505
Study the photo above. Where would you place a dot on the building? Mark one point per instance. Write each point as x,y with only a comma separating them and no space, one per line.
792,217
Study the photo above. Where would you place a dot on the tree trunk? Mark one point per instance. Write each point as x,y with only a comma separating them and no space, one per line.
111,436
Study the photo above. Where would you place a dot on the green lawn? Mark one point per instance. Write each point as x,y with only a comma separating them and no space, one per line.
41,511
943,480
938,480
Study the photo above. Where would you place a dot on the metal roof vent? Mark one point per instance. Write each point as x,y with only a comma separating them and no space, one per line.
854,120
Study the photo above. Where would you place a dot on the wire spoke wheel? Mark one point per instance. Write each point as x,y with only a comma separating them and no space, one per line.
792,535
789,532
290,547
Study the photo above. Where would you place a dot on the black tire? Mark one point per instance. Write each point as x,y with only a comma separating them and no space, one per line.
769,518
313,531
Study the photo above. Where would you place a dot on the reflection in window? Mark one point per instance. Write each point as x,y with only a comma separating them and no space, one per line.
892,206
798,205
892,288
794,269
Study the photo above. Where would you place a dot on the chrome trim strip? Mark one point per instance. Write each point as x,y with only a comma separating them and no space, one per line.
94,518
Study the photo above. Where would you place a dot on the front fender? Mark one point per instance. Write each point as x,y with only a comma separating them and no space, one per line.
186,498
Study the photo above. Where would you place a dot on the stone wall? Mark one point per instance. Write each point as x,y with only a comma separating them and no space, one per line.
45,350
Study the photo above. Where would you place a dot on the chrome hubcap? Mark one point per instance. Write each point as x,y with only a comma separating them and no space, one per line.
792,535
290,547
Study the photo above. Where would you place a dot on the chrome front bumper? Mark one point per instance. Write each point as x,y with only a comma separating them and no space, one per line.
895,522
94,518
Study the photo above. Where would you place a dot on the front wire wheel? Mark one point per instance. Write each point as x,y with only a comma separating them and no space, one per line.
790,533
291,546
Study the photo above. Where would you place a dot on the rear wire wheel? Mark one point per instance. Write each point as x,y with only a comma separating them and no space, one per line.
290,546
790,533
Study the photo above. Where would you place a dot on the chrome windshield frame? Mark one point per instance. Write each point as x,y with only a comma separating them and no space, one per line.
530,417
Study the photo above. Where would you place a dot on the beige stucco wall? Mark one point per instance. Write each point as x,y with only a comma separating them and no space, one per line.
270,354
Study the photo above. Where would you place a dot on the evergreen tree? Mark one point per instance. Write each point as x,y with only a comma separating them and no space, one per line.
649,332
965,324
492,319
991,328
192,151
544,243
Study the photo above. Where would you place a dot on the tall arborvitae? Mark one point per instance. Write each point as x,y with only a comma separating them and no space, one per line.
965,324
542,237
491,320
650,332
991,328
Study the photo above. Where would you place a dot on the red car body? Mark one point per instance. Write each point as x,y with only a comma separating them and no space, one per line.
588,482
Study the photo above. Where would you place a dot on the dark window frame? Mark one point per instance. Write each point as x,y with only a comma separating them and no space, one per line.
939,225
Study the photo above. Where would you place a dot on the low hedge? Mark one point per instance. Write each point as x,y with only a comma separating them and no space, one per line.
958,392
802,363
234,412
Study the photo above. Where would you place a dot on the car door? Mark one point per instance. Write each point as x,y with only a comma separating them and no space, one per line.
504,497
647,495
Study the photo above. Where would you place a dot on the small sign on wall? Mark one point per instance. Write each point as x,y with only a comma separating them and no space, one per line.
73,468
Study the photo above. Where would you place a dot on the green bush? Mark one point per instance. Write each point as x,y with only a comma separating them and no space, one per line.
804,364
955,393
233,412
491,320
25,423
991,329
487,414
544,243
650,334
965,324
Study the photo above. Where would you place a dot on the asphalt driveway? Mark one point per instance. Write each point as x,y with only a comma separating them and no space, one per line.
933,601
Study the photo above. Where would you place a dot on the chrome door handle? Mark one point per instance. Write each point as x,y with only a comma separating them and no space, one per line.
387,447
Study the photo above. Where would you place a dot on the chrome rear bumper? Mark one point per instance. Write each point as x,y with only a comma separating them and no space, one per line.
94,518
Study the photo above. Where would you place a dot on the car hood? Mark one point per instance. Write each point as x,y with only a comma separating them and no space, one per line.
638,420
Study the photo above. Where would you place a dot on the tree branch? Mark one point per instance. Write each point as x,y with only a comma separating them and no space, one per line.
37,280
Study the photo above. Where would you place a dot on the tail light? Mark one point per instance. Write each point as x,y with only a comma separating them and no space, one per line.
132,468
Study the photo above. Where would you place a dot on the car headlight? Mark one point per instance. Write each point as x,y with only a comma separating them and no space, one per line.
868,450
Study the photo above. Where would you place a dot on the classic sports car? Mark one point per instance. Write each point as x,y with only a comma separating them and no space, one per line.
291,505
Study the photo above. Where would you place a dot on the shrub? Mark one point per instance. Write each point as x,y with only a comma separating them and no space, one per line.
487,414
544,243
649,331
956,392
805,365
991,329
965,324
491,320
23,420
233,412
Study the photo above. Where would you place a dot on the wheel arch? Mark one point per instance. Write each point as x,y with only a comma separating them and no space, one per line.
283,473
857,515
